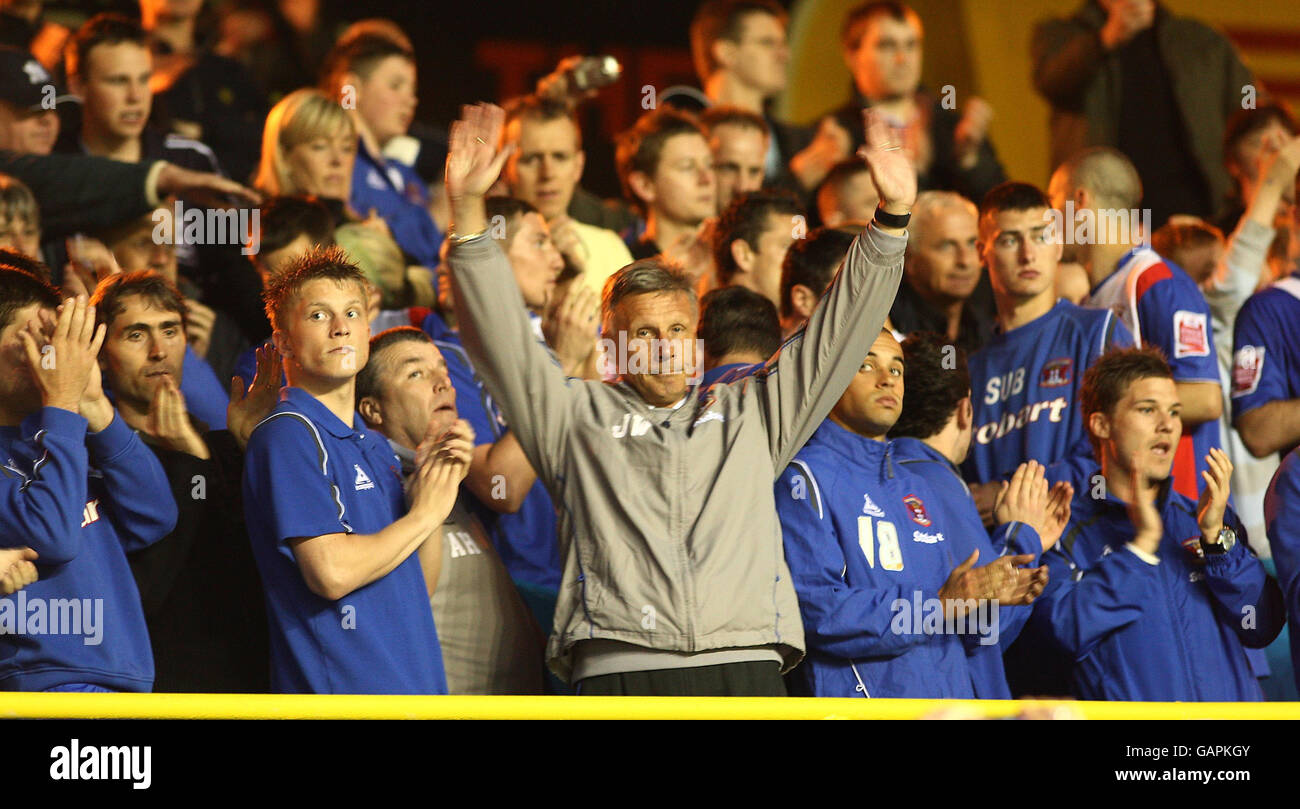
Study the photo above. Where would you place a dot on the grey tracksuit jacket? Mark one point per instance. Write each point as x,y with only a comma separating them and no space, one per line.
667,524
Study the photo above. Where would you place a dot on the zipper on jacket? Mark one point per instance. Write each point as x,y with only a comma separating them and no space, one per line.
688,577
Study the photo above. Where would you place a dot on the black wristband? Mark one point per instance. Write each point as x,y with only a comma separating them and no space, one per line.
892,220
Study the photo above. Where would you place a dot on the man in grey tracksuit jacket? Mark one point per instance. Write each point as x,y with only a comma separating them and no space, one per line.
667,522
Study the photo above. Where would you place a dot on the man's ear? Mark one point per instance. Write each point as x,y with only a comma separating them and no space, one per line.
723,52
371,412
642,186
1082,200
743,255
281,341
581,158
803,300
965,414
1099,425
75,84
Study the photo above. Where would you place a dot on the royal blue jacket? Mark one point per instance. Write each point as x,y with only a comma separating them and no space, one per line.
868,552
1282,521
1176,630
81,501
988,676
394,191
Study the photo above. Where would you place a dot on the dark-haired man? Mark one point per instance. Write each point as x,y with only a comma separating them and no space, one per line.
846,195
198,585
750,240
666,168
490,643
1026,378
544,171
742,60
806,272
642,470
739,140
332,533
871,549
882,44
1155,596
931,439
739,330
79,489
110,67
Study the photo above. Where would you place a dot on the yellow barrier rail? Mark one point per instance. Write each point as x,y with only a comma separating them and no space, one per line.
300,706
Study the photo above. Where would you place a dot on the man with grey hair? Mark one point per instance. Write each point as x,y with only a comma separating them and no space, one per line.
674,579
944,289
1095,195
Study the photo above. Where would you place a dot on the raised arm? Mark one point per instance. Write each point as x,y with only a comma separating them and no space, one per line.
531,389
814,366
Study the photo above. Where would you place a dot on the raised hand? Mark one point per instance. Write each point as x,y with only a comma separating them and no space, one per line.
971,131
442,463
1058,514
62,364
169,422
1024,497
474,160
1214,497
1142,511
891,171
248,406
1127,18
198,326
570,326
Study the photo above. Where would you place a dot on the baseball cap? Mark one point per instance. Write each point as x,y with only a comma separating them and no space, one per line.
23,80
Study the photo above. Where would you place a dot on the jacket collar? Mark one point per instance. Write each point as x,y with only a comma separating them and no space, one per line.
863,451
319,414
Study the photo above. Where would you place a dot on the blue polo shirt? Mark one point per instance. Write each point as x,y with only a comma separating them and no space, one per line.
397,193
307,474
1025,389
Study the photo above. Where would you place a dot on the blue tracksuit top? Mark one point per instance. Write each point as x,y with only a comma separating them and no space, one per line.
82,501
1172,631
867,546
988,676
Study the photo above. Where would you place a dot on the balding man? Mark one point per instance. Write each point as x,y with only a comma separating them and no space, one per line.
944,290
674,581
1095,195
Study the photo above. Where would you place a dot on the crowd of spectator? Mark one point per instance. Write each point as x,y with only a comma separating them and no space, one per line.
364,406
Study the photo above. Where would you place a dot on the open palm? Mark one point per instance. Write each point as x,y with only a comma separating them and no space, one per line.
893,174
473,160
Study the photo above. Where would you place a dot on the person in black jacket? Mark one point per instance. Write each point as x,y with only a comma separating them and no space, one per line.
79,192
199,586
950,150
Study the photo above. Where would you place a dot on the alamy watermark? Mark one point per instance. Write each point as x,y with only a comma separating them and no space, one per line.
946,616
20,615
651,355
1103,226
191,225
